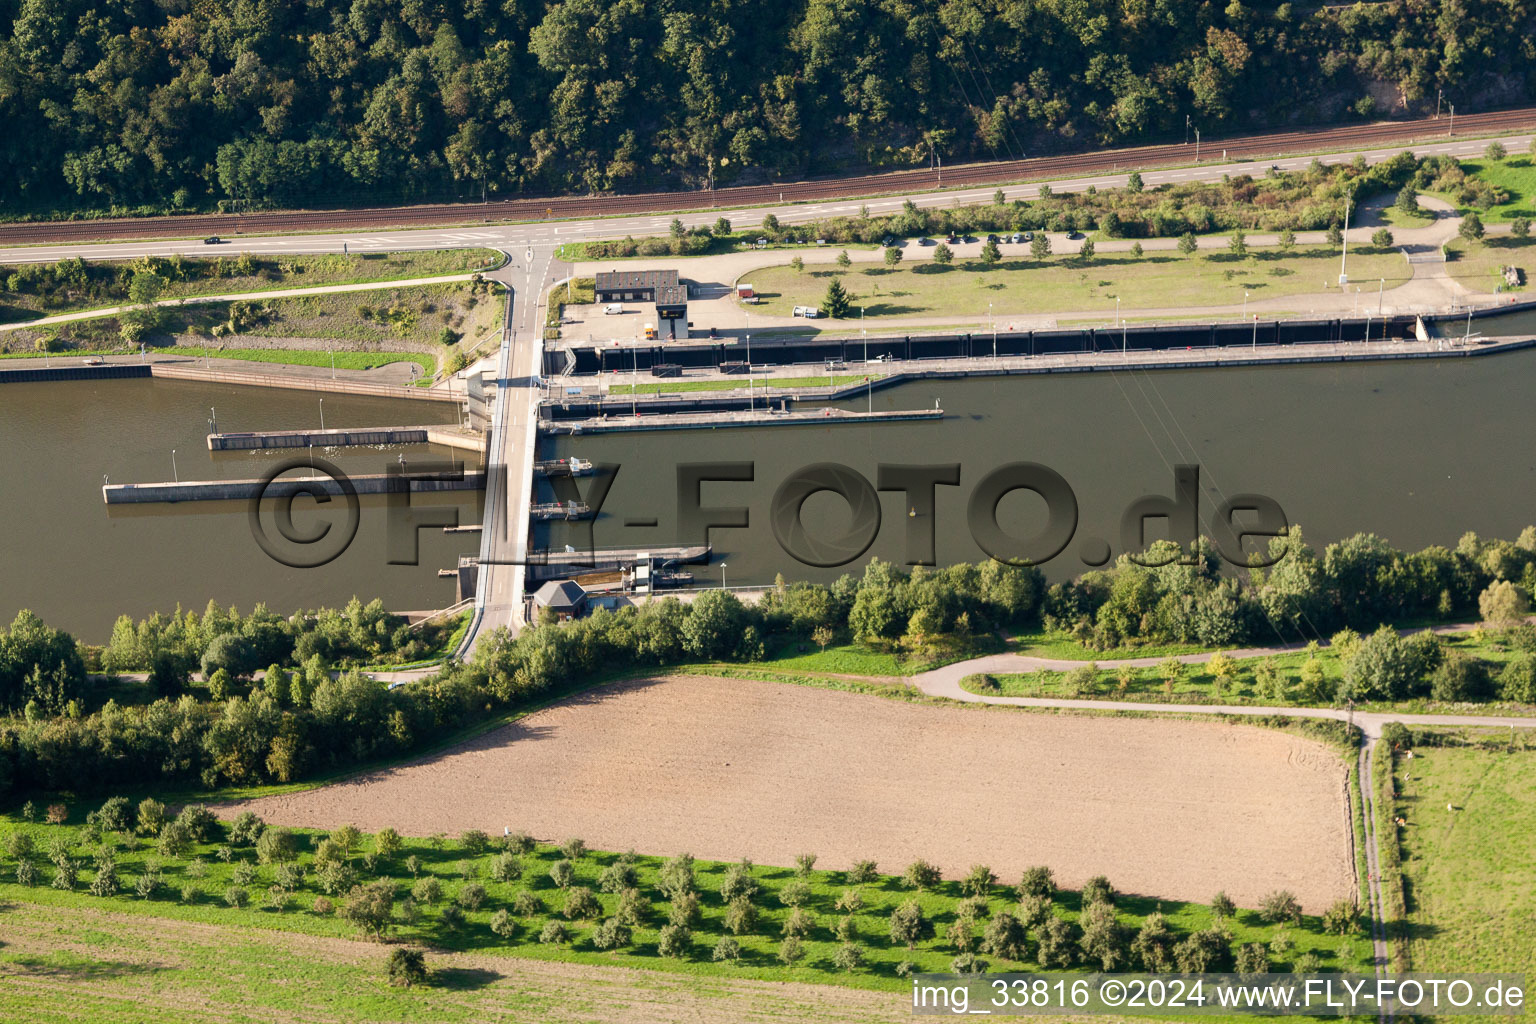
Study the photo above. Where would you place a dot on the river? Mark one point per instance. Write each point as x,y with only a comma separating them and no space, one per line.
76,563
1417,451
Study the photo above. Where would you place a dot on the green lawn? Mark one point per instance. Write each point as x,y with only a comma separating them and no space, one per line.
1480,265
1197,685
221,275
454,866
1470,877
1021,286
1517,175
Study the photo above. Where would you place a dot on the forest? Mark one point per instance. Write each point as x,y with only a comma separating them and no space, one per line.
163,105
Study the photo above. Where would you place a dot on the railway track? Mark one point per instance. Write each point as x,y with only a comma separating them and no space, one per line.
1257,146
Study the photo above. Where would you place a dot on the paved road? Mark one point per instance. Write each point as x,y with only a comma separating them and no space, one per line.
516,238
514,423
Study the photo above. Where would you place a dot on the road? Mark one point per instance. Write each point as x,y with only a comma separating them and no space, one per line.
509,470
1266,146
544,235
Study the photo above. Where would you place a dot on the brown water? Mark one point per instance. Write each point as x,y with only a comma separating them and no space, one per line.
1418,451
78,564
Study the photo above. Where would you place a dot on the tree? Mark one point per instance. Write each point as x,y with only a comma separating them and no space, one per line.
1334,235
892,256
1287,239
1098,890
371,907
1517,682
908,925
1005,937
1188,243
1040,245
727,951
1252,958
1495,151
1381,238
1037,882
1459,678
1103,938
1280,906
822,636
798,264
943,255
836,302
1222,668
1520,227
920,875
1342,918
844,260
406,967
1136,250
717,621
1133,182
1154,945
1503,605
770,225
1085,251
848,957
1407,202
1238,243
1471,227
990,253
674,941
1172,670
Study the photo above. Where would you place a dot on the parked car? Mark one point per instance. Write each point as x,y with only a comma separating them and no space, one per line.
212,240
925,241
1016,238
887,242
1074,235
993,239
952,240
613,309
1029,236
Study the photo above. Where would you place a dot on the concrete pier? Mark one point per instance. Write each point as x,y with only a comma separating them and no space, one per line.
265,439
718,420
243,490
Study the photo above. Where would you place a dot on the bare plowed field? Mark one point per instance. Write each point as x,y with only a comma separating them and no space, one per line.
727,768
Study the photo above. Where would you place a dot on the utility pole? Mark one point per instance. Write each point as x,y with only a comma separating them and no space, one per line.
1439,95
1453,119
1381,292
1344,254
1197,145
1186,129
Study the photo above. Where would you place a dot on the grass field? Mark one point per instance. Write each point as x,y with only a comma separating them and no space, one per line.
1198,685
219,275
1517,175
212,870
1019,286
1470,880
1480,265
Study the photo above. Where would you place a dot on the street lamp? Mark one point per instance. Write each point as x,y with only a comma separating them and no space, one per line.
1255,344
1453,119
1344,251
993,321
1186,129
1245,305
322,414
722,575
175,475
1197,145
751,402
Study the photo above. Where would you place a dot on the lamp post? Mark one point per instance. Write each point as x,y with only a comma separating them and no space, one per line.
1344,239
1255,344
722,575
322,414
1245,305
1381,293
751,401
1197,145
1453,119
993,320
177,476
1186,129
333,364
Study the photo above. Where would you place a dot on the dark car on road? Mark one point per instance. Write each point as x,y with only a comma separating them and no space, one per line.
212,240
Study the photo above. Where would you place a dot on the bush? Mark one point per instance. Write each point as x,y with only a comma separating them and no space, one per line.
979,882
322,905
1280,906
791,951
527,904
1459,679
554,933
795,894
276,846
581,905
1342,918
452,917
920,875
1098,890
502,924
506,867
1037,882
406,967
472,896
849,957
427,889
1252,958
862,871
740,916
612,934
674,941
562,874
474,842
726,951
246,829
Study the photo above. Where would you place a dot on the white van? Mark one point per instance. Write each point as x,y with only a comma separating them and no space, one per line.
809,312
613,308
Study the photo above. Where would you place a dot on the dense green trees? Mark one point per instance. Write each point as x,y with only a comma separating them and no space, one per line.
174,105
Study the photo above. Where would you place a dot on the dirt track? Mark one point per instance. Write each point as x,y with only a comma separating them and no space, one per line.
728,768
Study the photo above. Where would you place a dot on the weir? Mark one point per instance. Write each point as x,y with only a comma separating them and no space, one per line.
267,439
